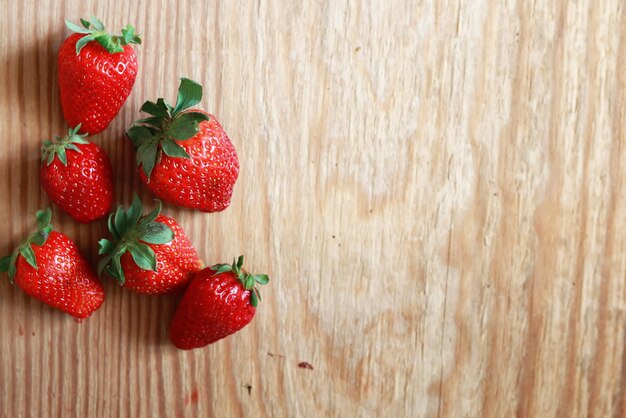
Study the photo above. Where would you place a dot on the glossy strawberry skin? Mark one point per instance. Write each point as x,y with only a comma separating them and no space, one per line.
206,180
95,83
63,279
84,187
213,307
176,262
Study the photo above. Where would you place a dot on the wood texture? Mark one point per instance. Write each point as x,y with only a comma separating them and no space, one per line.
435,187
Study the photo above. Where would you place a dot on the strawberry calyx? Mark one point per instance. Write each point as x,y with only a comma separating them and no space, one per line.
132,232
25,249
247,280
58,146
166,125
93,29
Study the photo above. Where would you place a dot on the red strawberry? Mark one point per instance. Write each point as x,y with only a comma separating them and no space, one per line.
97,71
184,155
79,179
150,254
49,267
219,301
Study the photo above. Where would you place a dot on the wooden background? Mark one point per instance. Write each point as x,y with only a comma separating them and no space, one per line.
435,187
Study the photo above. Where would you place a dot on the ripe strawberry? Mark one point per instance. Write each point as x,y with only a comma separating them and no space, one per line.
184,155
49,267
97,71
219,301
79,179
150,254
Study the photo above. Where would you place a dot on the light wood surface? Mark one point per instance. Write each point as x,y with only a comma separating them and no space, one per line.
436,189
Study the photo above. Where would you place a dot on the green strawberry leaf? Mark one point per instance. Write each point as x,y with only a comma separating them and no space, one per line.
116,235
155,109
249,281
77,139
118,272
172,149
161,102
83,41
147,154
154,121
189,94
144,256
156,233
75,28
39,239
5,262
166,125
46,231
133,233
134,212
106,246
58,146
194,117
25,249
96,23
236,268
129,37
261,279
94,31
185,125
115,274
43,218
120,221
154,213
138,134
110,43
102,264
27,252
62,155
12,268
221,268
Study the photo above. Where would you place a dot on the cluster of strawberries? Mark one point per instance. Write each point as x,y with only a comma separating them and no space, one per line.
183,156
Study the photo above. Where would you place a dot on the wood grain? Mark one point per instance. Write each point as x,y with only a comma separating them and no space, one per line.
435,187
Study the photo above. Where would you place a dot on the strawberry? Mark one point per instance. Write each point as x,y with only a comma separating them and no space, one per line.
148,254
219,301
49,267
184,155
79,179
97,71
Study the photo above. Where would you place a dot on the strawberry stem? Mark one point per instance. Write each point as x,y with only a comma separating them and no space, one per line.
93,30
25,249
58,146
166,125
247,280
132,232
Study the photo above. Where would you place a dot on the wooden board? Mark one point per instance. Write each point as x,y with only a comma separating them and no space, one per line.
435,187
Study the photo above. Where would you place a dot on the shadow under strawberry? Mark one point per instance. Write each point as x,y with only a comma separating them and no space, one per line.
33,90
